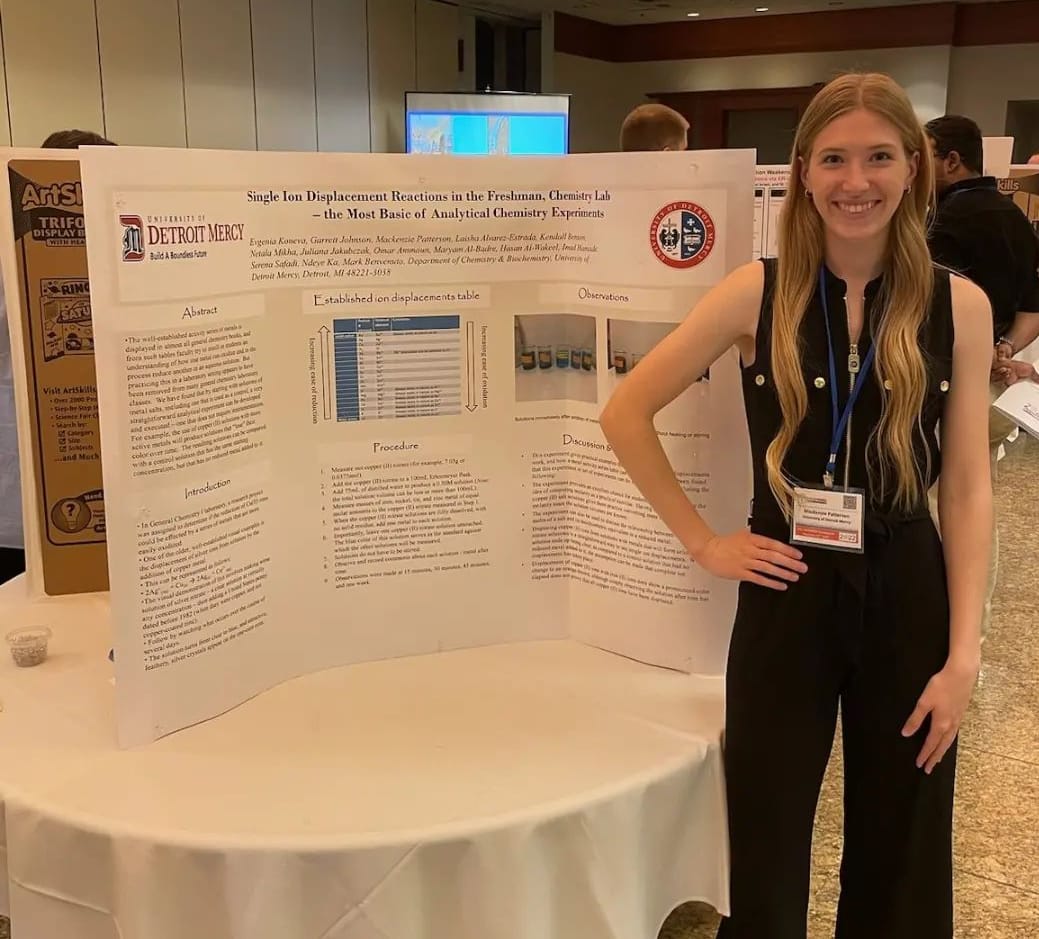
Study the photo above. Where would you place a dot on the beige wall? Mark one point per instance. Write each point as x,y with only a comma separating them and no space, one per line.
41,98
341,60
976,81
218,75
208,74
226,74
412,47
439,27
924,72
143,83
983,78
599,99
392,69
230,75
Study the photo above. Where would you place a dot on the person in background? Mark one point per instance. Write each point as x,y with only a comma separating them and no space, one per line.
73,139
980,233
853,345
1033,160
654,127
12,537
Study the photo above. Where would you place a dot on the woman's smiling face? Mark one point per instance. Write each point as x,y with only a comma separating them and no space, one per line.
858,173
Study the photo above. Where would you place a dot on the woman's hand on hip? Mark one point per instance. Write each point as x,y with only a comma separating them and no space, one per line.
753,558
945,699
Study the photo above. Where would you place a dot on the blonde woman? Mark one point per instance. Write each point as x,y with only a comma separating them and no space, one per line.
853,347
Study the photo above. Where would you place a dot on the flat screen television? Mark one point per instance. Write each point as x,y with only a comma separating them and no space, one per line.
487,123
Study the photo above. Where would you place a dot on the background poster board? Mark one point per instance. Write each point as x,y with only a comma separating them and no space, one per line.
48,296
322,447
997,154
1022,185
770,186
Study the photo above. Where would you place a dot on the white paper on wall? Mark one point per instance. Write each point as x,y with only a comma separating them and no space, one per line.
770,188
998,153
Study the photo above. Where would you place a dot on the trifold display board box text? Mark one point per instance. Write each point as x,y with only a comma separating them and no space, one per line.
47,293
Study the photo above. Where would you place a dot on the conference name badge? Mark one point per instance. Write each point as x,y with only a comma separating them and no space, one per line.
828,518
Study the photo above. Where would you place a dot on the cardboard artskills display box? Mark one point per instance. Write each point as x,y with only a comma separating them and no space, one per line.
48,299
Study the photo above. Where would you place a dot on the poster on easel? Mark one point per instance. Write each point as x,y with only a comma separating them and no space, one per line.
48,297
997,154
770,187
1022,185
350,410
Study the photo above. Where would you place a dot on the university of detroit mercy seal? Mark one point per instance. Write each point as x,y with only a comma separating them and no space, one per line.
682,234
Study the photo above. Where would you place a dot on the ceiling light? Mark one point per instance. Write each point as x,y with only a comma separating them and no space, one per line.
692,14
761,9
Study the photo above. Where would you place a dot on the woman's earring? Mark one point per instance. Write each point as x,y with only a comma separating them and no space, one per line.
808,193
909,189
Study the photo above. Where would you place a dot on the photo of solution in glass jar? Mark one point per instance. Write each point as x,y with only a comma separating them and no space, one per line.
628,342
555,358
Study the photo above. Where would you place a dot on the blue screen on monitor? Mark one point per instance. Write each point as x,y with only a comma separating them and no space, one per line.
513,134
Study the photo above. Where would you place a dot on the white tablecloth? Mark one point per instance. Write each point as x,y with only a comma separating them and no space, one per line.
530,791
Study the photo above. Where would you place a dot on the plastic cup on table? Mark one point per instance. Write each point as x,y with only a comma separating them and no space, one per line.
28,645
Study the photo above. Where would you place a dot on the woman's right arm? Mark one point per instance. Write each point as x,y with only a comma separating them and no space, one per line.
727,316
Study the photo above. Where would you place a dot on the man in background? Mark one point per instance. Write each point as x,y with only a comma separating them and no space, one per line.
982,234
654,127
1033,160
74,139
12,537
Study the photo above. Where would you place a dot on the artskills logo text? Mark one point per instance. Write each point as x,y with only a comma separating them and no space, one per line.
52,196
51,213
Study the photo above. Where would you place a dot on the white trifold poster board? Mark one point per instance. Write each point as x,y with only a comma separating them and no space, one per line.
324,442
998,154
770,187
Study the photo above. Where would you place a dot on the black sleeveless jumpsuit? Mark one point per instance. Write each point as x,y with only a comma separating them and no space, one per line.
865,631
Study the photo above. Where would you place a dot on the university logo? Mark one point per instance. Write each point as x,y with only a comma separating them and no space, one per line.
133,237
682,234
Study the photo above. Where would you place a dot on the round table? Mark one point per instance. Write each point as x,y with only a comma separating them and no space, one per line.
543,790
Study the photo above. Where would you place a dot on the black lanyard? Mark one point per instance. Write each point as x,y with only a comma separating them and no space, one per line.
839,419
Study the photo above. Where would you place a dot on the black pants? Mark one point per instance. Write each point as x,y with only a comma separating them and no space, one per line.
867,640
12,563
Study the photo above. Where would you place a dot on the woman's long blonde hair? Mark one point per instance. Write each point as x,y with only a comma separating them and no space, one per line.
902,305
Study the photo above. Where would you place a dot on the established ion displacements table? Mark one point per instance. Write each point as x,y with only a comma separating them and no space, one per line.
400,366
